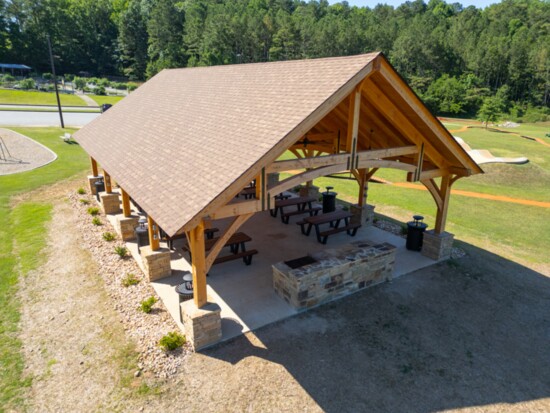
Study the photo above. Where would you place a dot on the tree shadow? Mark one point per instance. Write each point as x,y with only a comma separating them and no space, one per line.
467,332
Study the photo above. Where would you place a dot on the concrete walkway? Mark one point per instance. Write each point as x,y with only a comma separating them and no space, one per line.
245,293
89,101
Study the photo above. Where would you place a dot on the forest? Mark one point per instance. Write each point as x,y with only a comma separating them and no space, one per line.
460,60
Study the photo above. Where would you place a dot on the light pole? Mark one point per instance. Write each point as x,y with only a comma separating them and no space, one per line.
55,82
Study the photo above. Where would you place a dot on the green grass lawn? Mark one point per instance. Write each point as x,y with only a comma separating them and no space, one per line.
106,99
24,226
21,97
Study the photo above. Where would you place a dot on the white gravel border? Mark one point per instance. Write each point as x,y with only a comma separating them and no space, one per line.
14,168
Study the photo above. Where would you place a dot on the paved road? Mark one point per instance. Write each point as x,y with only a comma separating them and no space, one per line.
16,118
49,107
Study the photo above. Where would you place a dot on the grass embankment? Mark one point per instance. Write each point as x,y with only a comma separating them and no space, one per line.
21,97
22,241
106,99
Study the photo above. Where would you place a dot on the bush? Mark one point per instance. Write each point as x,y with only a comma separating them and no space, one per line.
132,87
109,236
96,221
93,80
103,82
47,76
81,191
86,89
84,201
69,77
79,83
147,305
172,341
121,251
27,84
119,85
93,211
100,90
130,279
8,78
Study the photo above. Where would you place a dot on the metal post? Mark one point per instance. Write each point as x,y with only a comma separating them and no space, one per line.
55,82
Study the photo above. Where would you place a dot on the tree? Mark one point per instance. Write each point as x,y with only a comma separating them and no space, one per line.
490,110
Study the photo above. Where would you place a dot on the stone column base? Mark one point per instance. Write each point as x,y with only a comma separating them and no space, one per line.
91,182
437,246
362,215
203,326
310,191
125,226
110,203
156,263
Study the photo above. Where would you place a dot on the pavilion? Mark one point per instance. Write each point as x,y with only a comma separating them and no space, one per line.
189,140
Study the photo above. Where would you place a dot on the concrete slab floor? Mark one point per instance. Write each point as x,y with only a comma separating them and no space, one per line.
245,293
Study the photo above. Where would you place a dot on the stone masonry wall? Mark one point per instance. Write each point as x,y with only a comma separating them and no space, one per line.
203,326
110,203
156,263
337,272
125,226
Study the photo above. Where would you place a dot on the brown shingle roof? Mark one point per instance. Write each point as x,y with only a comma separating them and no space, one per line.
186,135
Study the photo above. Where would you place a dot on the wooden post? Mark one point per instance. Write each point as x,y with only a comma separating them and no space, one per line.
107,180
126,210
95,171
198,264
363,187
353,125
154,237
445,192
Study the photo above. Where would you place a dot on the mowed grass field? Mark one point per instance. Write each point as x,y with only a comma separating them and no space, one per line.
22,242
106,99
21,97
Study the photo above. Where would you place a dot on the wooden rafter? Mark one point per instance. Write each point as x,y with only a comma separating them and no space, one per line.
233,227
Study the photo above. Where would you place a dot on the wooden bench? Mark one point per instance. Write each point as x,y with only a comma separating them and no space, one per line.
351,229
311,211
245,255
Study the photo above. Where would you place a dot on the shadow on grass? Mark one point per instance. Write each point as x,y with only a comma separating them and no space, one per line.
467,332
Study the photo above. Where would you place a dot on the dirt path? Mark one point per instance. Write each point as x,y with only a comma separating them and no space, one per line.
479,195
72,336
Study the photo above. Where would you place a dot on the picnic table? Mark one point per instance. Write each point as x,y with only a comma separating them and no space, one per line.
237,247
209,232
333,219
303,205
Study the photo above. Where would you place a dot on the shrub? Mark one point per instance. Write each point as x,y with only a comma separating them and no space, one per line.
109,236
119,85
81,191
27,84
132,87
69,77
8,78
100,90
104,82
79,83
172,341
121,251
130,279
93,211
84,201
147,305
97,221
47,76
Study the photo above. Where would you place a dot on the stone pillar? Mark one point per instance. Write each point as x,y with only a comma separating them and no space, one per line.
91,182
437,246
125,226
311,190
203,326
156,263
363,215
110,203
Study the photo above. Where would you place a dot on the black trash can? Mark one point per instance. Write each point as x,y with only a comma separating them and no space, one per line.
99,187
415,233
142,234
329,200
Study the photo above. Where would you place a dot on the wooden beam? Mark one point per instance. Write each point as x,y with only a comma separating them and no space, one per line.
126,210
445,191
95,170
220,243
419,163
353,125
420,109
434,191
241,208
154,237
107,180
371,173
386,107
306,176
198,264
383,163
327,160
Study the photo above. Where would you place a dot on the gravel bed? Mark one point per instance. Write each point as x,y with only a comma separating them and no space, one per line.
145,329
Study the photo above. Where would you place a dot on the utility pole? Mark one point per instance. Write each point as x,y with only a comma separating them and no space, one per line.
55,82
